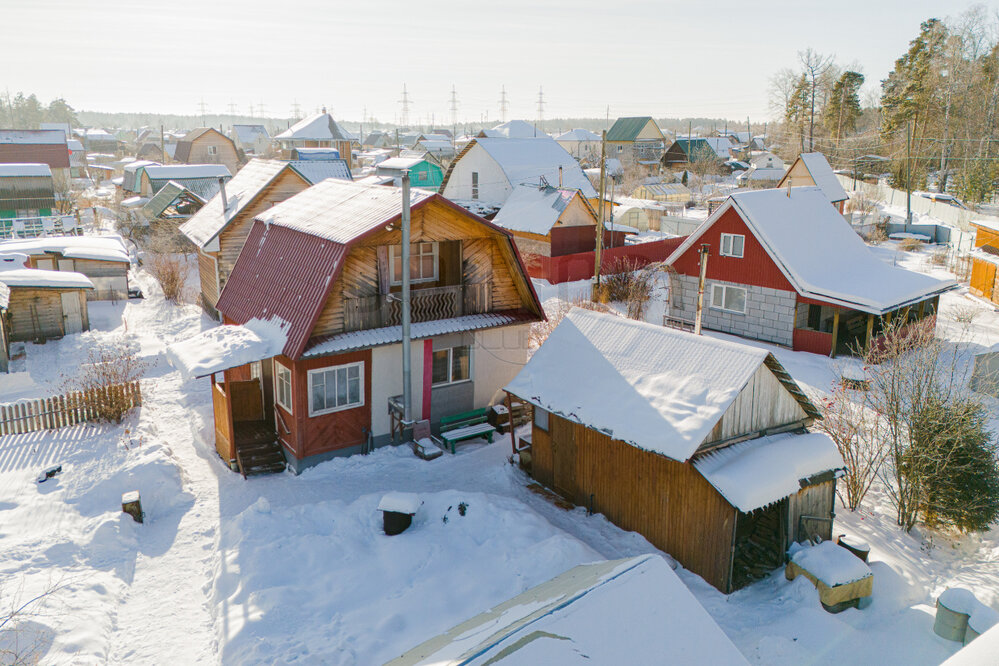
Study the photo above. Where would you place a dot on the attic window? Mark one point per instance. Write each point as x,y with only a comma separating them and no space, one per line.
213,150
732,245
422,262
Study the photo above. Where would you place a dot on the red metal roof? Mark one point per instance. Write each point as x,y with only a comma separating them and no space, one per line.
56,155
284,273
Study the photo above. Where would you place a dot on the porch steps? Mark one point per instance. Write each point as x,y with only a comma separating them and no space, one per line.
260,458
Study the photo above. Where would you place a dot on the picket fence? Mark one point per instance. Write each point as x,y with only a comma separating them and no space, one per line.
64,410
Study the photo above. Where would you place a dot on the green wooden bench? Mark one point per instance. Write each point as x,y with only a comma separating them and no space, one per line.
467,425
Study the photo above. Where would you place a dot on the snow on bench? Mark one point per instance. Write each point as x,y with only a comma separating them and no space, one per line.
467,432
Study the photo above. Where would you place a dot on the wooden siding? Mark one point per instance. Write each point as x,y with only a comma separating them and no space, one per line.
669,503
816,500
223,424
37,313
226,151
286,185
89,267
985,236
755,267
209,278
983,279
763,403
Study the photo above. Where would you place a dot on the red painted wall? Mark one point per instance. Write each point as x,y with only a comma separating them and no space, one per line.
815,342
313,435
579,266
570,240
428,375
755,267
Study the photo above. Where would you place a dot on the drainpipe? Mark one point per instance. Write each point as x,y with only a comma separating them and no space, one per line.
407,361
700,288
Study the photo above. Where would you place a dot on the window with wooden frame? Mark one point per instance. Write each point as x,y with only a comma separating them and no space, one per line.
336,388
729,298
452,365
732,245
423,262
475,185
213,150
282,386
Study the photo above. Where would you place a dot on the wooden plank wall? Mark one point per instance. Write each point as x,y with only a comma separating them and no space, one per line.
816,500
36,313
209,281
669,503
763,403
63,410
223,428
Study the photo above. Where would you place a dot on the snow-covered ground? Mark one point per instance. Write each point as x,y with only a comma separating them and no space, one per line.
286,569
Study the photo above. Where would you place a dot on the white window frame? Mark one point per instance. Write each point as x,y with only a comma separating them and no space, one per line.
730,251
278,368
333,370
716,305
397,279
450,366
213,150
475,185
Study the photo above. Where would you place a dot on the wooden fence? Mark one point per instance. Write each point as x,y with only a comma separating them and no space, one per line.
64,410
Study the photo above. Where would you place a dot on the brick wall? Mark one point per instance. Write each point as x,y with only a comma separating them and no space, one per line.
769,312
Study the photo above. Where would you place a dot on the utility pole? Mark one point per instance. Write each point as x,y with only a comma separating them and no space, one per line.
503,104
407,361
541,108
163,152
908,172
405,101
704,252
600,213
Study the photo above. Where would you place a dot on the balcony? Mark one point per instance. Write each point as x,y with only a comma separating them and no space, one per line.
428,304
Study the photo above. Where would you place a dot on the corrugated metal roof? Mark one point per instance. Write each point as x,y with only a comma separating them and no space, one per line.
316,171
285,273
319,127
27,191
337,344
340,211
306,154
628,129
240,191
534,209
165,198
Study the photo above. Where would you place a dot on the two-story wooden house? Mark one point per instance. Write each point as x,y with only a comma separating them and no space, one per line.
312,357
207,145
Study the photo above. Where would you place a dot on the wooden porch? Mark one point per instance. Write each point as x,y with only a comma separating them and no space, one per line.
244,437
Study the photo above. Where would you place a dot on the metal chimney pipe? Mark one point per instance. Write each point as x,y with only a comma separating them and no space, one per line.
225,201
700,287
407,361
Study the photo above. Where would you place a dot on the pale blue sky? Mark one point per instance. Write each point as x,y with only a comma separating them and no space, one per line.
660,58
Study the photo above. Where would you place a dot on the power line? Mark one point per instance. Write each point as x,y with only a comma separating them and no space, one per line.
201,108
296,110
454,106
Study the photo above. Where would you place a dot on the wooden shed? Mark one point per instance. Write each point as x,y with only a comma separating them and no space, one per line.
103,259
698,444
45,304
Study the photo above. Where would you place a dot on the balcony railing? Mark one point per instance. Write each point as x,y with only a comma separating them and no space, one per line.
33,227
428,304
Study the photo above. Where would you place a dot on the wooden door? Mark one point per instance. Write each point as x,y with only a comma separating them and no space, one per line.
563,458
72,315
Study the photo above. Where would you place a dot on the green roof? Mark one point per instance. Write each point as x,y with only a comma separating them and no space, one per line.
627,129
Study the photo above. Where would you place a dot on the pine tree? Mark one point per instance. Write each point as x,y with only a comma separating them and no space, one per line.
843,108
909,89
796,110
59,111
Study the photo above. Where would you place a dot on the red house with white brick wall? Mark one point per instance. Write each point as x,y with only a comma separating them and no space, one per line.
785,267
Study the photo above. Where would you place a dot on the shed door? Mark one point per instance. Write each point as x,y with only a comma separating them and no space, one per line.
563,458
71,315
45,264
66,265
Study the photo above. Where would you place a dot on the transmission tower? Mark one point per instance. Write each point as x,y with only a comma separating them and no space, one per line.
405,101
261,109
541,108
454,107
296,110
201,108
504,104
251,109
232,108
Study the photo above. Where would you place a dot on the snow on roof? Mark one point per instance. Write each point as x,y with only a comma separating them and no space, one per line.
35,277
184,171
758,472
980,652
762,173
633,610
101,248
24,169
228,346
339,210
517,129
527,160
830,563
419,330
534,209
823,176
400,502
4,295
250,133
399,163
316,171
375,180
43,136
991,225
319,127
578,135
240,191
820,254
134,202
658,389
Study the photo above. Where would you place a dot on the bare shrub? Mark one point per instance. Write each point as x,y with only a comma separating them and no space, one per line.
859,439
939,257
170,271
877,235
910,245
23,640
542,329
862,202
627,283
110,366
965,314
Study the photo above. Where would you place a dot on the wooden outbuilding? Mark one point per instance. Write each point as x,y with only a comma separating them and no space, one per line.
636,141
985,260
103,259
45,304
696,443
317,131
813,170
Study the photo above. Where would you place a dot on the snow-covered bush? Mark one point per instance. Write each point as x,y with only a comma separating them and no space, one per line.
858,437
111,366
